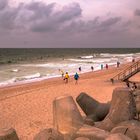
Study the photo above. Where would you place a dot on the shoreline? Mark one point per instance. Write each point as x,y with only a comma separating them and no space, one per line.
15,80
37,84
52,79
31,81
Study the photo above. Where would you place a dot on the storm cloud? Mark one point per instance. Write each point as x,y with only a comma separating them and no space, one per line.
3,4
56,20
137,12
71,24
40,17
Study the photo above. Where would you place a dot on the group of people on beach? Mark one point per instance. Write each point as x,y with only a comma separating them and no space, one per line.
92,68
66,76
76,75
106,66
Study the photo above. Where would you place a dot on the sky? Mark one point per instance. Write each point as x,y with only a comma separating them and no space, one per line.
69,23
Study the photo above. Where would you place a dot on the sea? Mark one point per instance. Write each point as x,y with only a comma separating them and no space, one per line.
19,66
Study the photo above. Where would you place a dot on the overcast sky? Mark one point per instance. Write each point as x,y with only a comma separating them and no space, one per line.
69,23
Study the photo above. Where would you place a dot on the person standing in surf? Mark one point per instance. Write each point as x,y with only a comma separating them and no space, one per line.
62,72
80,69
106,66
118,64
102,66
92,68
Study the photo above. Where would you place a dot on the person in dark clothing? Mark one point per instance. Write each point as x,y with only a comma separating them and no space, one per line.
106,66
118,64
127,84
92,68
134,85
112,80
133,60
80,69
76,77
102,66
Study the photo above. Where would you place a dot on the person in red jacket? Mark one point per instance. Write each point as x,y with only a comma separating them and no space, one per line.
106,66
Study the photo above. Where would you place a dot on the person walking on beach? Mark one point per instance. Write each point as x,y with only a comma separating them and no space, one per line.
106,66
133,60
66,77
62,72
80,69
92,68
112,80
118,64
76,77
102,66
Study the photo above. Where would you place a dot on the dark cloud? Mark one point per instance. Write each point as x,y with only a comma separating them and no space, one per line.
95,25
7,18
41,17
54,21
3,4
38,16
110,21
35,16
42,23
68,13
40,10
137,12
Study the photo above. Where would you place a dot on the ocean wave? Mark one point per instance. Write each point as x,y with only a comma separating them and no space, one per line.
14,70
71,68
50,69
46,65
86,57
33,76
115,55
8,82
19,79
128,59
95,60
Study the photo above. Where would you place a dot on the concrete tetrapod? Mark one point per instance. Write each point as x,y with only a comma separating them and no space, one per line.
66,116
81,138
89,121
117,136
91,133
122,109
92,108
136,94
8,134
132,125
49,134
126,131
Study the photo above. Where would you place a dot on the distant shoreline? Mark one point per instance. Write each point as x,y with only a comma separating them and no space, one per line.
48,78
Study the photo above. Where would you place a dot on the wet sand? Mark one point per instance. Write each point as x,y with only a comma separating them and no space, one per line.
28,107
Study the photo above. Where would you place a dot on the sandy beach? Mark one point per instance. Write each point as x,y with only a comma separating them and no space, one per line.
28,107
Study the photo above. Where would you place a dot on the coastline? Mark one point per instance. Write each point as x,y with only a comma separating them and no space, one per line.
37,84
55,78
28,107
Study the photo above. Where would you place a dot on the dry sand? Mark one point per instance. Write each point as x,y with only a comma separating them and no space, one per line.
28,107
